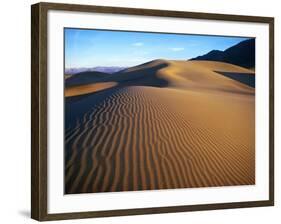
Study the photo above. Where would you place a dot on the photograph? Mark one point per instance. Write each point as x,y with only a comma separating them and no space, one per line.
154,111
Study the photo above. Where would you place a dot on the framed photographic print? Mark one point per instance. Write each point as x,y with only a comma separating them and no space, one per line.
138,111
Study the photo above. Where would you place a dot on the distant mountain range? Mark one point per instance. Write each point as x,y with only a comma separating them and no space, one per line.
242,54
104,69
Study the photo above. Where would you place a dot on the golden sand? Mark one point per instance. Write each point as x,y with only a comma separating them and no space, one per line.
166,124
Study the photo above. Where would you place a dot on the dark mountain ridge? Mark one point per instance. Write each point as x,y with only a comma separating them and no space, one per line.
242,54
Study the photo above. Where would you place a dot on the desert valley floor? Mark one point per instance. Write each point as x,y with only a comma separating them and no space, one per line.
160,125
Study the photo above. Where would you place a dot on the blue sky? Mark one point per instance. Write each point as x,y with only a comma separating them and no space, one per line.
91,48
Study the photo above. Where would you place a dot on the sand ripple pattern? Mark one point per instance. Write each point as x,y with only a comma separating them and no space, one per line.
135,140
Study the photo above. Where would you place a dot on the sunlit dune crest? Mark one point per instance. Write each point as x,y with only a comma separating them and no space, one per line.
88,88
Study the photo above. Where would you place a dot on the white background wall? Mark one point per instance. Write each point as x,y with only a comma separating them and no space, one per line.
15,111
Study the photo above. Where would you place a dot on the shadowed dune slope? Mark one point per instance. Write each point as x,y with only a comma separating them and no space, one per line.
84,78
165,124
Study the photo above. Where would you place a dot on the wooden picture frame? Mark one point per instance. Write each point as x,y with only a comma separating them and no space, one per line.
39,108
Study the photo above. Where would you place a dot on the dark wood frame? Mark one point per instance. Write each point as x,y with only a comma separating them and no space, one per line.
39,110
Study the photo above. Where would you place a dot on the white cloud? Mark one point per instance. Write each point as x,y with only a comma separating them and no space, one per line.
176,48
138,44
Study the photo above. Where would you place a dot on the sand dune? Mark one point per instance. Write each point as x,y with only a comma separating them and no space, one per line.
88,88
165,124
83,78
205,75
